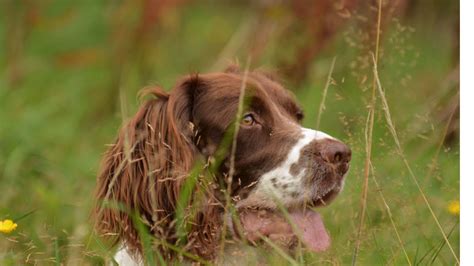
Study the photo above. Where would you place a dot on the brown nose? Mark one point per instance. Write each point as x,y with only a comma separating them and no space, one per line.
336,152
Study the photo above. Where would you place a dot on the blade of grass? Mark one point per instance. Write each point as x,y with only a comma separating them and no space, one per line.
146,241
184,253
294,227
127,149
240,110
432,165
435,256
230,177
390,216
368,145
435,249
57,258
432,249
104,249
279,251
394,134
185,195
322,105
145,237
24,215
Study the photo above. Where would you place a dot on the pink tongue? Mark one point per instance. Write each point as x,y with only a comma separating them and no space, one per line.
309,226
312,230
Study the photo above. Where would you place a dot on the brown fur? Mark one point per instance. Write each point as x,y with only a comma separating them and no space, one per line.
167,147
145,170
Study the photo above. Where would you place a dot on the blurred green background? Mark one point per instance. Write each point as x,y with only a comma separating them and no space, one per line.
70,71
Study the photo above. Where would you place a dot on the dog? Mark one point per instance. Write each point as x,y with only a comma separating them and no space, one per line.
176,159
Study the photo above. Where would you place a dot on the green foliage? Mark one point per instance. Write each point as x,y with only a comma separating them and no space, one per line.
65,68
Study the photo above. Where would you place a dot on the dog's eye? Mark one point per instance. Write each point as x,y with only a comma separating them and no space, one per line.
299,115
248,120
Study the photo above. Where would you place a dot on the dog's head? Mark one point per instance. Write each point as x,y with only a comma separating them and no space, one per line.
272,161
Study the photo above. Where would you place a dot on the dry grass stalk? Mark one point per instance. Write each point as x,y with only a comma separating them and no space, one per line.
322,105
390,216
392,130
230,177
432,165
368,145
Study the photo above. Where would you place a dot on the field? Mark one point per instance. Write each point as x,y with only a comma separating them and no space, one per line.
71,73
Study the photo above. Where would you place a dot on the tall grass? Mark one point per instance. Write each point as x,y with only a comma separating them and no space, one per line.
76,71
368,144
391,126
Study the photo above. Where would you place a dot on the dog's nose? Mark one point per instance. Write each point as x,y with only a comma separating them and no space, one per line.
336,152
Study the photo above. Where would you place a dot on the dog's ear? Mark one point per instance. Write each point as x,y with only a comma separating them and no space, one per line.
143,171
182,101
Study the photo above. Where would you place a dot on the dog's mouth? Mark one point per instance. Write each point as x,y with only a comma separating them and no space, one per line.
286,229
299,222
326,198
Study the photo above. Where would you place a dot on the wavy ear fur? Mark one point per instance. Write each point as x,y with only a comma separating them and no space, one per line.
144,171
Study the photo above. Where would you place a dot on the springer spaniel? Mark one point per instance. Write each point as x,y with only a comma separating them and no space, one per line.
172,164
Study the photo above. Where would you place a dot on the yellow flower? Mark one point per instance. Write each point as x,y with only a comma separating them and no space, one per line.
7,226
454,207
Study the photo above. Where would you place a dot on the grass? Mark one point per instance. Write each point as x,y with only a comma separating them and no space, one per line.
70,91
368,140
388,117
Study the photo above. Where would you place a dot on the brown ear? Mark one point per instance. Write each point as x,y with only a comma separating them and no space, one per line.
143,171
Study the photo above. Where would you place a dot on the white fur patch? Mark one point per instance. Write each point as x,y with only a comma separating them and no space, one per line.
124,258
279,183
